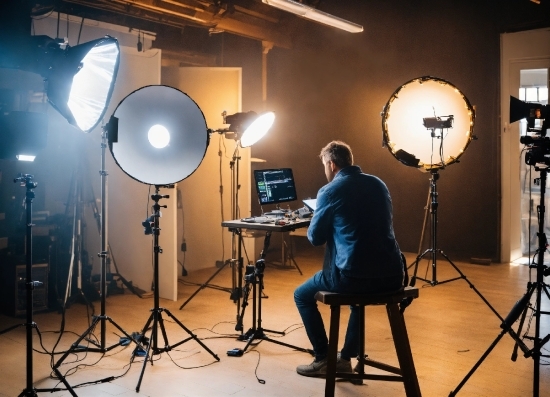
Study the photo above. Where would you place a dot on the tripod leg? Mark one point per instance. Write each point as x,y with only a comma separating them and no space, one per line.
162,329
520,327
253,336
55,368
415,264
191,334
147,324
511,318
246,293
478,363
74,346
151,318
463,276
202,286
425,223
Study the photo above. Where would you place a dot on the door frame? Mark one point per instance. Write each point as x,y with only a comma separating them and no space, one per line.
521,50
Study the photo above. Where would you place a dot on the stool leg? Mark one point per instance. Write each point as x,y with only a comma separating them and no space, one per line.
361,357
330,379
403,350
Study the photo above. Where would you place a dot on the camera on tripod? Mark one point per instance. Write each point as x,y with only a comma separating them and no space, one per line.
252,271
536,115
249,273
538,151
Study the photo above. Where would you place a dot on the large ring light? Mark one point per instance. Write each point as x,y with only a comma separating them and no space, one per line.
428,123
161,137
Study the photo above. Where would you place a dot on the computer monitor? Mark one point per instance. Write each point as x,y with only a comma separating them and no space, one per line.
275,185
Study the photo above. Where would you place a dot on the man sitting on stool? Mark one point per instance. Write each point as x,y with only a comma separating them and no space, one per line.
354,218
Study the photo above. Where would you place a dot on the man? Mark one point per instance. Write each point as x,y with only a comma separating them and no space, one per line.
354,218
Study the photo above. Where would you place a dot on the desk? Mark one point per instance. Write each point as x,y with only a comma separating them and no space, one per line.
289,226
268,227
254,280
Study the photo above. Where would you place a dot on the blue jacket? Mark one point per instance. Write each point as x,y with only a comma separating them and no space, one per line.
354,218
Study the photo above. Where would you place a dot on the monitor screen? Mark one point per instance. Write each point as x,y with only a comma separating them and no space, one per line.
275,185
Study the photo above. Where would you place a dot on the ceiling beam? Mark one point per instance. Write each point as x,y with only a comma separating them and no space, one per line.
245,19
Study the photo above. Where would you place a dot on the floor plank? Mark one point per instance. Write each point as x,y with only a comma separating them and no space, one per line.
449,329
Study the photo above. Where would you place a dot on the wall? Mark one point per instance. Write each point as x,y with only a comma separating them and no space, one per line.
206,195
334,84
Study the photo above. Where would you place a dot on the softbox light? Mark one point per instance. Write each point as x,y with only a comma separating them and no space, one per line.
427,123
79,79
530,111
158,135
82,79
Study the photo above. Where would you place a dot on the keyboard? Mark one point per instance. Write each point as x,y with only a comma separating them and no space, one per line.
258,219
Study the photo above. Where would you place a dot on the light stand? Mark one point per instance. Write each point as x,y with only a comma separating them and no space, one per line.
522,305
236,261
102,318
255,277
410,145
253,128
158,136
156,313
26,180
433,250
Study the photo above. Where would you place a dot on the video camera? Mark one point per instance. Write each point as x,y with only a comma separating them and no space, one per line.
539,149
537,122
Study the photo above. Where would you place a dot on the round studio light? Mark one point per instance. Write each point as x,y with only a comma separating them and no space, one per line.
428,123
142,126
158,136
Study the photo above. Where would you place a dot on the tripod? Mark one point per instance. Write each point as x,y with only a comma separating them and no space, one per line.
236,263
156,313
255,276
522,305
26,181
433,250
102,318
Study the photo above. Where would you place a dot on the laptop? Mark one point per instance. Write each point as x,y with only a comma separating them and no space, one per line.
310,203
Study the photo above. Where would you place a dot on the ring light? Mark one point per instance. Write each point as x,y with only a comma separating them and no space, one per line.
427,123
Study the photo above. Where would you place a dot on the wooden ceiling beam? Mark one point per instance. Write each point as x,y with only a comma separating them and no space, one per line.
245,19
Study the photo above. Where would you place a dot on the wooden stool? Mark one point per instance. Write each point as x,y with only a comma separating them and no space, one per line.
405,373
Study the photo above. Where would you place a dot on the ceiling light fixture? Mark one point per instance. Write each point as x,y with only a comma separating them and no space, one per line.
313,14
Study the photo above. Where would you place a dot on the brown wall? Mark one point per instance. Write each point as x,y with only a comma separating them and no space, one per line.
333,85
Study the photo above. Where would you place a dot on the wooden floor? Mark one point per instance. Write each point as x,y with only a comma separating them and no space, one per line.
449,329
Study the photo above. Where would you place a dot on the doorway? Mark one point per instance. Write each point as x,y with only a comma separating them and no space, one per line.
533,89
522,53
